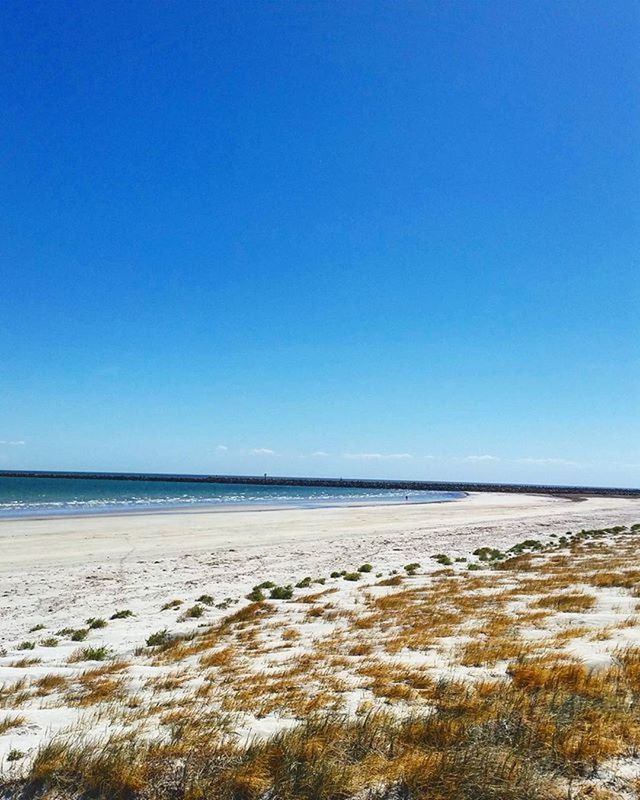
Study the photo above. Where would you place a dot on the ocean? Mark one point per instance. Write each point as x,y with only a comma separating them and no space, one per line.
29,497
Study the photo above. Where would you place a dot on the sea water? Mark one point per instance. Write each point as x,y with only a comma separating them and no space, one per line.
28,496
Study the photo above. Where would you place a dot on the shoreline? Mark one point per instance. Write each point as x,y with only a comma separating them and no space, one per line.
220,509
80,541
58,575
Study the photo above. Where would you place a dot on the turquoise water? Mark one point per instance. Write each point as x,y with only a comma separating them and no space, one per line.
61,496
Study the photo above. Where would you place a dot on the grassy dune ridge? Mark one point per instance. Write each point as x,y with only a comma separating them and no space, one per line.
508,675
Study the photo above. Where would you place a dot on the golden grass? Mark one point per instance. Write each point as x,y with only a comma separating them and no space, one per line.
540,719
9,722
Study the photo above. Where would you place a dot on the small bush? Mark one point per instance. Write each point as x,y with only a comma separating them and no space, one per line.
265,585
50,641
79,635
474,566
256,595
96,622
122,614
159,638
26,646
14,754
304,583
441,558
91,654
281,593
412,568
172,604
35,628
194,612
335,574
352,576
488,554
365,568
64,632
206,599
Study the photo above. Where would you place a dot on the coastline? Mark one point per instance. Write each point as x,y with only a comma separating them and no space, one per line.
56,573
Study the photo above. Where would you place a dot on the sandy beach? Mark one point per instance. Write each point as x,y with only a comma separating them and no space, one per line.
58,574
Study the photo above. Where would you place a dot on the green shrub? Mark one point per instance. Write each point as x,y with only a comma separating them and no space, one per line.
194,612
365,568
335,574
14,755
206,599
92,654
441,558
412,568
79,635
488,554
304,583
96,622
265,585
474,566
122,614
50,641
35,628
256,595
172,604
159,638
281,593
352,576
26,646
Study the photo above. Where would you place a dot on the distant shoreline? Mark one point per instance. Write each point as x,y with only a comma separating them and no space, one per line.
220,508
355,483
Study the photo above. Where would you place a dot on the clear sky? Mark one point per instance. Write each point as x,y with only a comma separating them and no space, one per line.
360,238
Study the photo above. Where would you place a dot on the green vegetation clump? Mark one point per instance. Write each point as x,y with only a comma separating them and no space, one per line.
50,641
122,614
488,554
65,632
352,576
412,568
206,599
281,593
266,585
35,628
194,612
14,754
528,544
256,595
92,654
304,583
474,566
79,635
172,604
26,646
335,574
159,638
365,568
96,622
441,558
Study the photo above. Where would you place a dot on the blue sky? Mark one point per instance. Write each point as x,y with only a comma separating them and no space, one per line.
367,239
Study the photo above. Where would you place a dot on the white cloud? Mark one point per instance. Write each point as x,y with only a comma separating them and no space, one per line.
319,454
377,456
222,448
14,442
482,458
261,451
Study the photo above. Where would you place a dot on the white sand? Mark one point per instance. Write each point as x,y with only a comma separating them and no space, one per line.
58,572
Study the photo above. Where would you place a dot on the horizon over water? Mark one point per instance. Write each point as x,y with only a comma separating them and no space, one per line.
27,496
